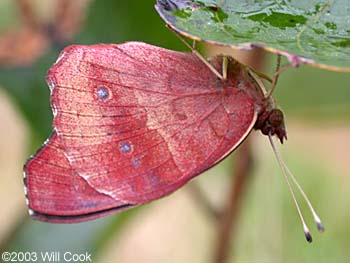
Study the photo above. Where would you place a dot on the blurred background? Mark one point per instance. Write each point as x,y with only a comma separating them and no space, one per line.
175,229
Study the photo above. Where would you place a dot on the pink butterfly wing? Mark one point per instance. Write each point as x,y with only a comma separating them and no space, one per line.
136,121
55,193
133,123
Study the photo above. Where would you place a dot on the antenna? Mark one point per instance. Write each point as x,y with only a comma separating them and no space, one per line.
317,219
286,172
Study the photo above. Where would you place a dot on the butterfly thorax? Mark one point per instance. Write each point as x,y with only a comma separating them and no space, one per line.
270,119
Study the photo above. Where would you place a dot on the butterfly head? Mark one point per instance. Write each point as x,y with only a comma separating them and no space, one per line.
272,122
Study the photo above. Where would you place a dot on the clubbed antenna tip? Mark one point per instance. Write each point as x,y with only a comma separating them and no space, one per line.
286,172
320,227
308,237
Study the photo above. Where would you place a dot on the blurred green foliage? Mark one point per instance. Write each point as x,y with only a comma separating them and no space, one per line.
314,94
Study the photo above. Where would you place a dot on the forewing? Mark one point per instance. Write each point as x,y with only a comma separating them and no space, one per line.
138,121
55,193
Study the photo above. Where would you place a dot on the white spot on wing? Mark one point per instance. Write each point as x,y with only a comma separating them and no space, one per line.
135,162
85,176
70,158
102,92
125,147
46,141
51,83
54,110
60,57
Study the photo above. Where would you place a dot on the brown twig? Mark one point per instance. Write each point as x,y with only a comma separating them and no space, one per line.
201,199
228,221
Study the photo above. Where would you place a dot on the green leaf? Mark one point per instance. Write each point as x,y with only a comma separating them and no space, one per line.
315,32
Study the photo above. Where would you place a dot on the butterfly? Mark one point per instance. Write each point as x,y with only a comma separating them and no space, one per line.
133,123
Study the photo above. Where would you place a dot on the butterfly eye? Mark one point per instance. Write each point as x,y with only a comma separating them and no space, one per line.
276,118
102,92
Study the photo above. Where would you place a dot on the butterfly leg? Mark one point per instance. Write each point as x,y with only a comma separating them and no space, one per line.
199,55
276,74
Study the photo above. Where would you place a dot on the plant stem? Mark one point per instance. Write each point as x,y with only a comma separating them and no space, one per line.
227,223
203,202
